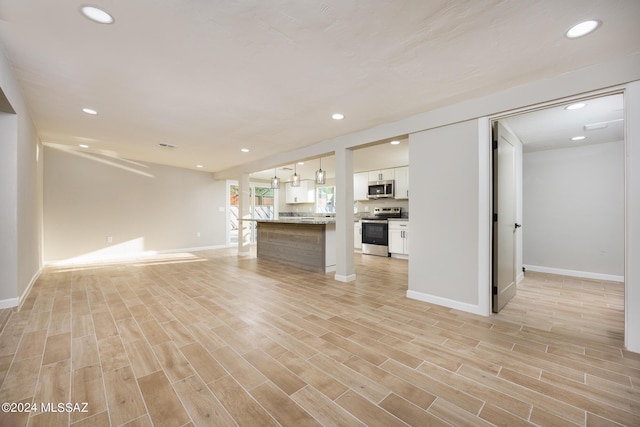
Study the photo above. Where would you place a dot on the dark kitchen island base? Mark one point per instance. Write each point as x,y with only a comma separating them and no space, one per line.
309,245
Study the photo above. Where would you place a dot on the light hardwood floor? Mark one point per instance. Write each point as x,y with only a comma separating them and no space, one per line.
212,339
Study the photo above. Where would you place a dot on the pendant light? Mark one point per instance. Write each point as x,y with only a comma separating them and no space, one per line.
275,181
295,178
321,176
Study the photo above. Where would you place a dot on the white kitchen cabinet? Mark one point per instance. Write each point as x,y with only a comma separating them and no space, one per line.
399,237
357,235
360,185
402,182
381,175
306,193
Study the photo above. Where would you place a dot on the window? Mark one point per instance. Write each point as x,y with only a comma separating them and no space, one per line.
325,200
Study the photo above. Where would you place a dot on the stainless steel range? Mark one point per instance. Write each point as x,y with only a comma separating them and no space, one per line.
375,231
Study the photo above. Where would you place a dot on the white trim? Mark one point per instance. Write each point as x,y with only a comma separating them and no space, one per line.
485,206
24,295
519,277
17,302
446,302
575,273
343,278
8,303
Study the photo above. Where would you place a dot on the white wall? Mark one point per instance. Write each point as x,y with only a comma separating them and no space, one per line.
20,193
9,213
143,207
443,247
632,217
574,210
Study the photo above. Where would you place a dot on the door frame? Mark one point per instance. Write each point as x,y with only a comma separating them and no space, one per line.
486,187
252,186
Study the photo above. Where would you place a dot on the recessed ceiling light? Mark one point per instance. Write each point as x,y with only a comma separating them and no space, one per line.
575,106
301,163
337,116
578,138
582,29
96,15
199,166
244,150
90,111
394,142
83,146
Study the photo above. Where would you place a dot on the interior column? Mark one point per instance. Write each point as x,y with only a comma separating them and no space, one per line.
345,269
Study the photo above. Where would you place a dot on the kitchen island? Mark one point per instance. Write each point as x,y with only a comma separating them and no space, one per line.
308,243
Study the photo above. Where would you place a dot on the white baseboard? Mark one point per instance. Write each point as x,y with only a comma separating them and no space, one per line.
575,273
469,308
343,278
17,302
9,303
520,277
25,294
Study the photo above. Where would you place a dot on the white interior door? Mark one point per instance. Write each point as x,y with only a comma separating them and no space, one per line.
504,224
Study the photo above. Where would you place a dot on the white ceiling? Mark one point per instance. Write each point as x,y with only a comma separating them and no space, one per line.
212,77
554,127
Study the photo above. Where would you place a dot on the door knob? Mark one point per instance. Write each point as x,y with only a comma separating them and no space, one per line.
518,225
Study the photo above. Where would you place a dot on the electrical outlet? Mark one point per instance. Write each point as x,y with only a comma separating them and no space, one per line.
109,239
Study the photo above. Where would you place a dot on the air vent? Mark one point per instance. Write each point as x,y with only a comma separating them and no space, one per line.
165,145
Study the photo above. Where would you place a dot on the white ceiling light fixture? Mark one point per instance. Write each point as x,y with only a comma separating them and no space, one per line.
394,142
337,116
576,106
601,125
96,15
83,146
244,150
321,176
578,138
90,111
595,126
582,29
295,178
199,166
275,181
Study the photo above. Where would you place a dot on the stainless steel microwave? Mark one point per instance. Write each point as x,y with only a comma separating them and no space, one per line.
380,189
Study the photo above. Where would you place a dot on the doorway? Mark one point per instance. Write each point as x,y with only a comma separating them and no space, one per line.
263,206
572,190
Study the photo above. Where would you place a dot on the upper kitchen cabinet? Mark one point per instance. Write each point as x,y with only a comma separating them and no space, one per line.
402,182
306,193
360,185
381,175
